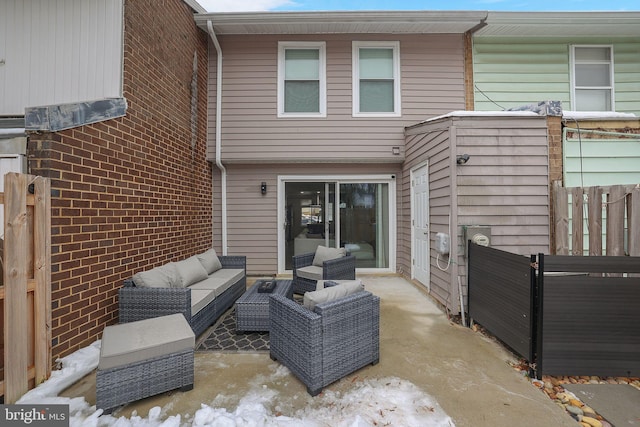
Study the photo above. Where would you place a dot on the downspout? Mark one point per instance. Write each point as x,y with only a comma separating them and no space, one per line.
218,140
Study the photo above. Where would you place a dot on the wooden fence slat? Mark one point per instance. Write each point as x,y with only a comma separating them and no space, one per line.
577,235
615,221
15,280
594,210
42,276
633,222
561,213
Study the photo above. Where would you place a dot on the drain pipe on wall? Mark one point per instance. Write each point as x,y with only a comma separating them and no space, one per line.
218,143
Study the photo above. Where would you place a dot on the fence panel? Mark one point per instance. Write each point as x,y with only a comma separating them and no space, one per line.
501,296
25,292
588,323
622,228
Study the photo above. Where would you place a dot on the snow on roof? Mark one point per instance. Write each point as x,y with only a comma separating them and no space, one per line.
582,115
464,113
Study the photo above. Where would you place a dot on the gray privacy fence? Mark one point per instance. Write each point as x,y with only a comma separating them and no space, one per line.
566,315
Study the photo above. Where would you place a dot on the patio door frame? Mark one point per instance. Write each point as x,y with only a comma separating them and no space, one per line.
389,179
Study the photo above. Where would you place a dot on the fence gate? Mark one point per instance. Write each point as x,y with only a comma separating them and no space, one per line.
25,289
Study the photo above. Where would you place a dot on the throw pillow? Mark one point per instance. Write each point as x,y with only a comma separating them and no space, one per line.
311,299
325,254
190,271
210,261
165,276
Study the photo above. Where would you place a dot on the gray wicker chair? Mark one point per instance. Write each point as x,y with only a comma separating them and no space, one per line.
324,345
336,269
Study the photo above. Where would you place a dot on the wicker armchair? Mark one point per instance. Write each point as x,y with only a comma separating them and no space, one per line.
336,269
324,345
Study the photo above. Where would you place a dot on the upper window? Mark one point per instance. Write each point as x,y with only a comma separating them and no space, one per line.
376,79
302,79
592,83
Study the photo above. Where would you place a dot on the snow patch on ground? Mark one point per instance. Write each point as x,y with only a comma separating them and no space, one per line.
371,402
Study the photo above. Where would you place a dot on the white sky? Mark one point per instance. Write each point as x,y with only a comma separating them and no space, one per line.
491,5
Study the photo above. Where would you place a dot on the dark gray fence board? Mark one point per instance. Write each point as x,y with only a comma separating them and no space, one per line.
500,296
592,264
591,327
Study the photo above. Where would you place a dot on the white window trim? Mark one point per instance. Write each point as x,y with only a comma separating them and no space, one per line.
395,45
573,74
337,180
321,46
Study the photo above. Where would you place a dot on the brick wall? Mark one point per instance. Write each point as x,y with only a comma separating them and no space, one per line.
129,193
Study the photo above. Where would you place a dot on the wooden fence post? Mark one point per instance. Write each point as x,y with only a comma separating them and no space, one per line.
26,288
15,284
561,210
633,222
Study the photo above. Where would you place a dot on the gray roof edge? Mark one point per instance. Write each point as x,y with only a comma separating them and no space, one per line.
346,17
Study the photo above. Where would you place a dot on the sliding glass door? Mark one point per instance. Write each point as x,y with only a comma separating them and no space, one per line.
348,212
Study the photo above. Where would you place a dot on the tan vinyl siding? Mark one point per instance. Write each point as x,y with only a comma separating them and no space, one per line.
434,147
503,185
514,71
252,217
432,79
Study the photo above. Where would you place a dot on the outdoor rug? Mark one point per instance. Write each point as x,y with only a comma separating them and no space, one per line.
222,336
619,404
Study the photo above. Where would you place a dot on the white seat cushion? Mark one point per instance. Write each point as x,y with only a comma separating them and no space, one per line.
311,299
132,342
325,254
311,272
219,281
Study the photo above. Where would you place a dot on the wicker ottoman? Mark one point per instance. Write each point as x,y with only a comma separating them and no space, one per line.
144,358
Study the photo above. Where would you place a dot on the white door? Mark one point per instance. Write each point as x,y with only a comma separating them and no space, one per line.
420,224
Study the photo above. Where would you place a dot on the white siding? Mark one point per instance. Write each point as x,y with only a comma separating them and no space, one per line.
59,51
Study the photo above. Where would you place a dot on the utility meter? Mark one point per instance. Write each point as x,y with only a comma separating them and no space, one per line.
478,234
442,243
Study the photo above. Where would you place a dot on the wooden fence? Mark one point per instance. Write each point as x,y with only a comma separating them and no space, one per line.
621,206
25,291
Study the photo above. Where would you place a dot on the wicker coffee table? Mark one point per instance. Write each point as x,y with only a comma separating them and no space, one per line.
252,308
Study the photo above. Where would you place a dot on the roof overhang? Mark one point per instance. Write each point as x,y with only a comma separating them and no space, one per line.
561,24
365,22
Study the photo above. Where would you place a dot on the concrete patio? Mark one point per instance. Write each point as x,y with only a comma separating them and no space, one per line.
469,375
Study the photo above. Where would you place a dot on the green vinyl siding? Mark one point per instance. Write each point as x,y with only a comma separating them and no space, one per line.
513,71
610,161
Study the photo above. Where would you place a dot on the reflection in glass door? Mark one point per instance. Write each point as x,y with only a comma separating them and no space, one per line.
359,220
309,217
364,223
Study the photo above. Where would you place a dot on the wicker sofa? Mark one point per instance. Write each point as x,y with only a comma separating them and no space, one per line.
323,264
322,344
201,292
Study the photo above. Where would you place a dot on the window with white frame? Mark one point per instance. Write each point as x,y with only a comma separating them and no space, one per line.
592,82
302,88
376,79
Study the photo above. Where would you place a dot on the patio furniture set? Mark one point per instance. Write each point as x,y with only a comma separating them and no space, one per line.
333,333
